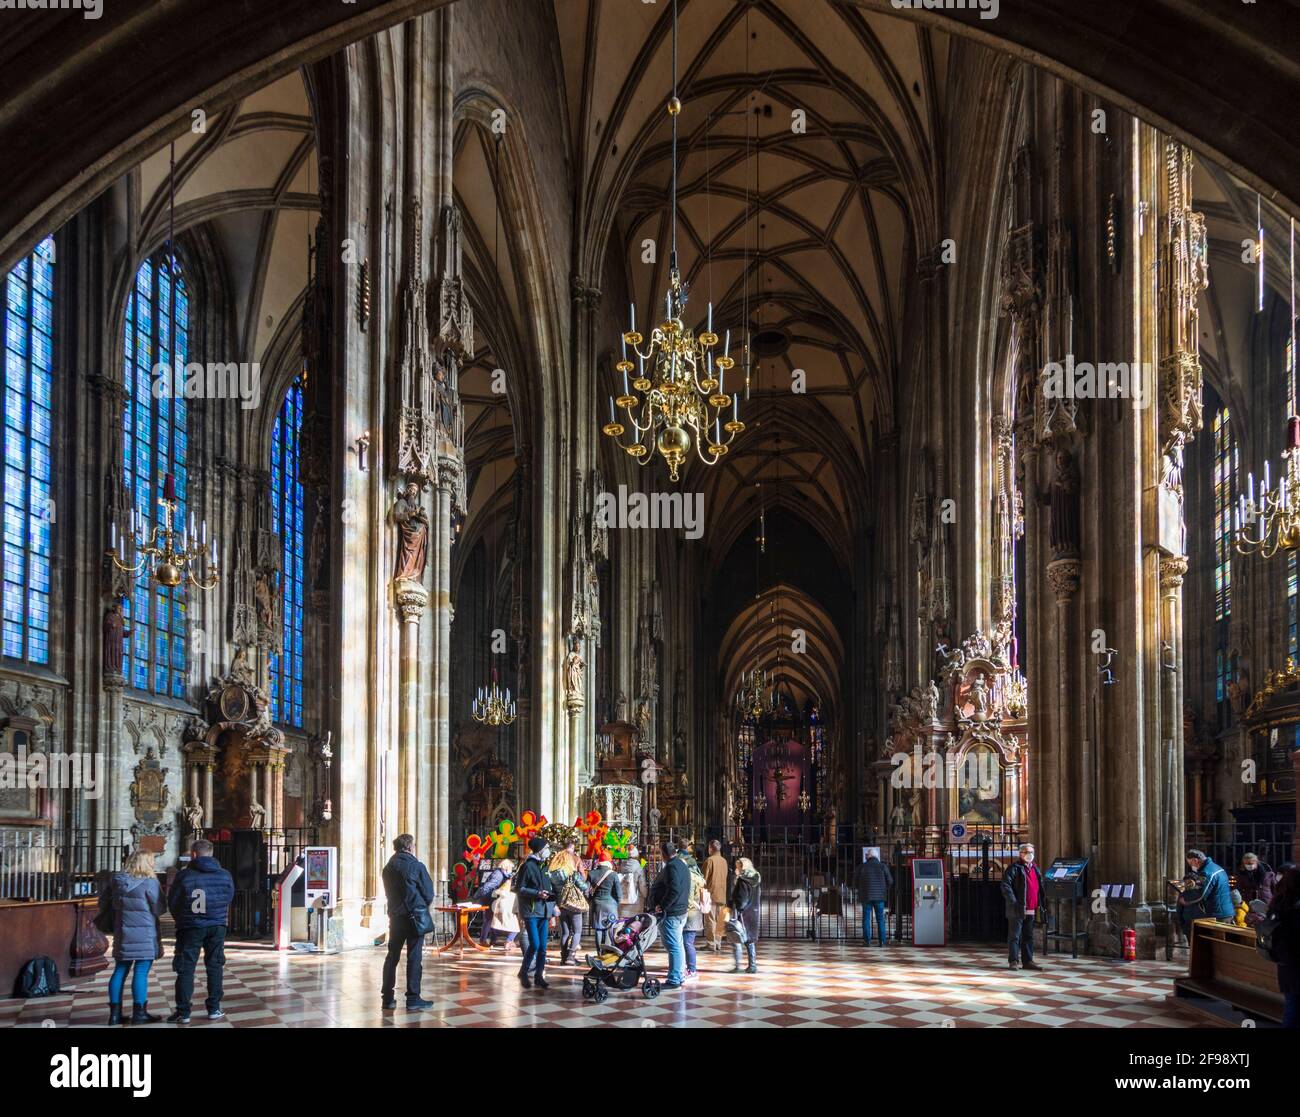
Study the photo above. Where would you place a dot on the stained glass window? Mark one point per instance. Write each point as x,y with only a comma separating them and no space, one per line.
156,443
1225,484
28,477
287,522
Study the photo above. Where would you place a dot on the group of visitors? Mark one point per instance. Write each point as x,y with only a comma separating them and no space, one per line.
689,900
131,908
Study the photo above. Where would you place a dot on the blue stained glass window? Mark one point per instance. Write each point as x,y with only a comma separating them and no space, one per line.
154,445
287,522
1225,487
28,469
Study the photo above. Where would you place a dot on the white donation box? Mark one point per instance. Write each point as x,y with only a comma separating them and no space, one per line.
929,917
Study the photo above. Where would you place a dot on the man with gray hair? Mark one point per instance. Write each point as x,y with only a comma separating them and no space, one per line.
409,890
1022,891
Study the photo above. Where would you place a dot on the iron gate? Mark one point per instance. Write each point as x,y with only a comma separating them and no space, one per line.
255,859
808,893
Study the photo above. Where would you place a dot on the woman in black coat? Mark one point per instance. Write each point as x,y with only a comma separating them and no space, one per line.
1286,904
743,903
136,901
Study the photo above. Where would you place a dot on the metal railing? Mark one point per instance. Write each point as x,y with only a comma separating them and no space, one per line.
42,864
1226,842
808,889
255,866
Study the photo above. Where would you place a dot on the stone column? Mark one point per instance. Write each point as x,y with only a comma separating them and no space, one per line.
1066,790
110,754
1172,571
207,793
412,599
450,474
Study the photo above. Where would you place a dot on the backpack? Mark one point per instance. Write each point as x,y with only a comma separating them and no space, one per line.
39,978
1267,941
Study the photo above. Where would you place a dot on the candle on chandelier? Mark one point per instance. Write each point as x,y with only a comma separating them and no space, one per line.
717,428
625,392
624,340
112,536
1264,491
709,328
204,537
611,404
214,551
735,408
169,488
633,316
726,346
1250,488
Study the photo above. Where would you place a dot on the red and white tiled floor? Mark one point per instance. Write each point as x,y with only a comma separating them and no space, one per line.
799,985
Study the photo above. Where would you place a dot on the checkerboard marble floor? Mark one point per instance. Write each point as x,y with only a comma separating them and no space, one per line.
799,985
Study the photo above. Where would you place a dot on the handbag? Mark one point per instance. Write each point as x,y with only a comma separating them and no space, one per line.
104,919
572,899
735,933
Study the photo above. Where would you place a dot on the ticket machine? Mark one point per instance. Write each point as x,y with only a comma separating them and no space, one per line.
320,889
929,902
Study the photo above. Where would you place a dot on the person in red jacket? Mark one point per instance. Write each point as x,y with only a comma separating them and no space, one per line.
1022,890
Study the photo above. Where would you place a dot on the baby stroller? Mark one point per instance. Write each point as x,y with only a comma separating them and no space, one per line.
623,965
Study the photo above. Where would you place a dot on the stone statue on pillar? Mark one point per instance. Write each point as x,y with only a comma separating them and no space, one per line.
574,668
115,631
413,534
1064,503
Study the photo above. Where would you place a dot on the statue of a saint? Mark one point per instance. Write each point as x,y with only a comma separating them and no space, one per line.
256,815
932,702
413,534
574,667
979,696
193,812
114,632
1065,505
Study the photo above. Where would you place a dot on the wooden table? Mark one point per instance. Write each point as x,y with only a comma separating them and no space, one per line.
463,912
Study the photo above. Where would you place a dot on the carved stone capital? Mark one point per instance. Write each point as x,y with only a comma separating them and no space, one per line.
1064,574
412,599
1172,571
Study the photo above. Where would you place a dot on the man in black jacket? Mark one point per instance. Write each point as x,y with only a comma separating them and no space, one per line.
410,892
1022,892
873,882
536,905
199,900
670,896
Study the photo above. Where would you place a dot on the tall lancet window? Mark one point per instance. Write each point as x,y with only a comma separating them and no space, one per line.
1225,484
28,475
155,447
287,522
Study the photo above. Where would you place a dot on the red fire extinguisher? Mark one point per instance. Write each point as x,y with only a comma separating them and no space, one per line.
1130,941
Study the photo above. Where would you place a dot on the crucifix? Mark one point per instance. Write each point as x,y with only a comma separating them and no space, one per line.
780,775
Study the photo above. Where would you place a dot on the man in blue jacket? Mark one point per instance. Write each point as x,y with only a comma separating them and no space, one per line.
199,901
1211,895
409,890
670,896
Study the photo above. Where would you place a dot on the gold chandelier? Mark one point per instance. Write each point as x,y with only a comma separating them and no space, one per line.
675,400
171,556
1272,523
492,707
749,697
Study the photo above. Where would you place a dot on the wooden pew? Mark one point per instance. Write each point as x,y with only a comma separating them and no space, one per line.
1226,977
